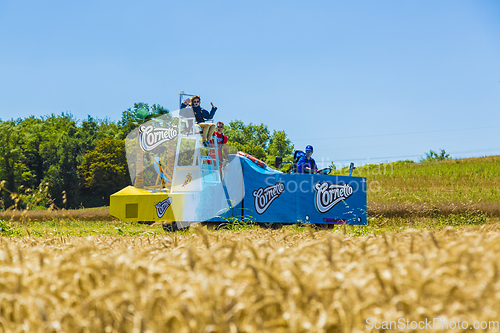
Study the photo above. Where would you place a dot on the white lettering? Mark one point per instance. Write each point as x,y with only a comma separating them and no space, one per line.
328,195
151,137
264,197
406,324
161,207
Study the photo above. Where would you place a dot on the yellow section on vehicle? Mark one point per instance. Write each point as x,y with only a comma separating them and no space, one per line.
134,204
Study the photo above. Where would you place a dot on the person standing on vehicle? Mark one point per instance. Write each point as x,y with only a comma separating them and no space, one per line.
307,164
201,116
221,141
221,144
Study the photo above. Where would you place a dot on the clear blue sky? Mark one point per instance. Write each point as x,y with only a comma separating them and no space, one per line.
365,81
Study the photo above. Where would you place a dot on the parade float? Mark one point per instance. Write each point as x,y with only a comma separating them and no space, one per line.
178,180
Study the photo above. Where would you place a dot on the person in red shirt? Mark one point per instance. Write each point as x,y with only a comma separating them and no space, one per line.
221,144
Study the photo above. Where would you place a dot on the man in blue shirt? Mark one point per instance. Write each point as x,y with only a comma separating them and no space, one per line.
307,164
201,115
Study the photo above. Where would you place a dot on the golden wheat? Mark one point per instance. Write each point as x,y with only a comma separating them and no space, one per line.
251,281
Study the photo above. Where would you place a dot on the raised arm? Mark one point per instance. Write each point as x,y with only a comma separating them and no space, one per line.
185,103
212,112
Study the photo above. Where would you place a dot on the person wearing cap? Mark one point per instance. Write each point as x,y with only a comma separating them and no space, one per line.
201,116
307,164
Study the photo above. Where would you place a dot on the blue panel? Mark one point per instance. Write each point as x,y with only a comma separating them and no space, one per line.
288,198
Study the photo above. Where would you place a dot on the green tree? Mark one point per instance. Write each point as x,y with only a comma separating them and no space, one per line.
12,170
256,151
91,130
256,141
54,146
88,134
61,154
131,118
103,171
432,156
32,140
280,145
106,128
256,135
139,114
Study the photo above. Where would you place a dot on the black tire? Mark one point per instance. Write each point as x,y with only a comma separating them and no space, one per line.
211,225
146,222
323,226
170,227
318,226
271,225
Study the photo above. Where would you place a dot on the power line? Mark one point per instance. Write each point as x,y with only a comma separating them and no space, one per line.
418,155
401,143
394,134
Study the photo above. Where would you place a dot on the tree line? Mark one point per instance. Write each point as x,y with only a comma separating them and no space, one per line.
59,160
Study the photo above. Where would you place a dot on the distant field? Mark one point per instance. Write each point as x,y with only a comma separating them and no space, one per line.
406,188
471,180
399,189
250,281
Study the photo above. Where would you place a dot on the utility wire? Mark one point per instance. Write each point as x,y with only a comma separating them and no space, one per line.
408,156
400,143
394,134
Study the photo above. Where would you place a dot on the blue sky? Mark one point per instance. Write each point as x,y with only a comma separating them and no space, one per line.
365,81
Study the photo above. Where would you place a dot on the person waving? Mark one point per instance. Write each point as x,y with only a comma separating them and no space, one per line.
201,116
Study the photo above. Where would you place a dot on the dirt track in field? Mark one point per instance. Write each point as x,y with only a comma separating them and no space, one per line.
390,209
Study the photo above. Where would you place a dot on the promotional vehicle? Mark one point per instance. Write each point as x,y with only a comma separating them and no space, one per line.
177,179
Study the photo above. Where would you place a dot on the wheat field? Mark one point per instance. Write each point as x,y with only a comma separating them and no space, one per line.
249,281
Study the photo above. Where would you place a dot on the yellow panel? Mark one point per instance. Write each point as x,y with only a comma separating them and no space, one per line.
131,210
133,204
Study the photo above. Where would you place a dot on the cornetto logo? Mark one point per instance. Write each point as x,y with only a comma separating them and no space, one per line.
264,197
161,207
151,137
328,195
